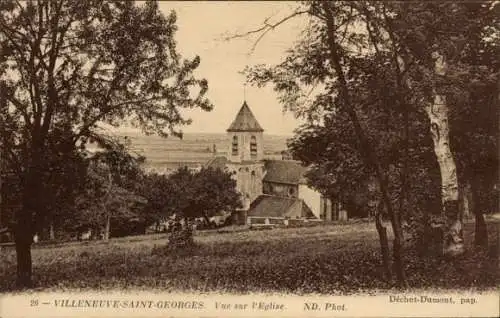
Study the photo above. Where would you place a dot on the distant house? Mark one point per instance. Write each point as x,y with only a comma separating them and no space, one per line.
269,188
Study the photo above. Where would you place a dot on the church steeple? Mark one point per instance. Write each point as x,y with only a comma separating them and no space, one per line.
245,121
245,137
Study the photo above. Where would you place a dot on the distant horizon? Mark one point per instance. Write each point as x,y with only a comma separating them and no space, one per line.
193,148
224,133
139,132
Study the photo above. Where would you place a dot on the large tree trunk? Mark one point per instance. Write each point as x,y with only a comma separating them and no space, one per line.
27,218
462,202
384,245
437,112
368,153
397,248
23,243
23,238
403,200
24,229
481,230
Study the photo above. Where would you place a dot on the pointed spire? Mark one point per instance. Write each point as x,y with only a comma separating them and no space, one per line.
245,121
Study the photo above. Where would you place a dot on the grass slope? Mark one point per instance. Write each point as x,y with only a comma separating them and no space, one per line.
331,259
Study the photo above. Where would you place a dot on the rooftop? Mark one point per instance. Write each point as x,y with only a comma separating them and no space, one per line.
245,121
284,171
276,206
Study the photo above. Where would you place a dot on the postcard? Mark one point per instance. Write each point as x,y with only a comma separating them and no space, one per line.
249,159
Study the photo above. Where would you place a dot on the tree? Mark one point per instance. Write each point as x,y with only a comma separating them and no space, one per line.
473,119
449,41
215,191
323,59
382,60
111,185
190,195
159,191
65,179
204,193
71,65
104,200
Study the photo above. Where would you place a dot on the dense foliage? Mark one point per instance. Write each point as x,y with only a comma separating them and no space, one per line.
191,194
363,75
66,67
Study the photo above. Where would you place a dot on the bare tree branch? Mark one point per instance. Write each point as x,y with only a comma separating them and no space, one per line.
20,107
263,30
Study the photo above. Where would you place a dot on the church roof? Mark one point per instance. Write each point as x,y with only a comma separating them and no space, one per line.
245,121
284,171
276,206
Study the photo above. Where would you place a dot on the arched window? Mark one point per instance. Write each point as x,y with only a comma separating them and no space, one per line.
253,147
235,146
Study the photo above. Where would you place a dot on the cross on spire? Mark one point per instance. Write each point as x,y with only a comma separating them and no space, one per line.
245,92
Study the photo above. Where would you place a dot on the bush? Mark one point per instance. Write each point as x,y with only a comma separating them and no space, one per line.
181,236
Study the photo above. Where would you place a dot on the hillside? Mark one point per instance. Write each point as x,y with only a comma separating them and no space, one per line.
193,149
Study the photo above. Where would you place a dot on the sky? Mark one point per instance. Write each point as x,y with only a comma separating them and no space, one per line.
202,27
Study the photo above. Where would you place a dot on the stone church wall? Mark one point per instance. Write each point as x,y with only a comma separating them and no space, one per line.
248,180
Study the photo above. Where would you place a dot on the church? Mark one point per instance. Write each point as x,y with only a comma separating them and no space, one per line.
269,188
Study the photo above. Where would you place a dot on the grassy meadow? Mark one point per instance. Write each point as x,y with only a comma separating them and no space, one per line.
329,259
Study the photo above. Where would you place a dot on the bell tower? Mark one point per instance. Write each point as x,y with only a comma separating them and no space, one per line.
245,137
246,153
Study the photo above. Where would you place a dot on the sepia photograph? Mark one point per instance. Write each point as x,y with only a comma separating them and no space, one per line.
249,158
